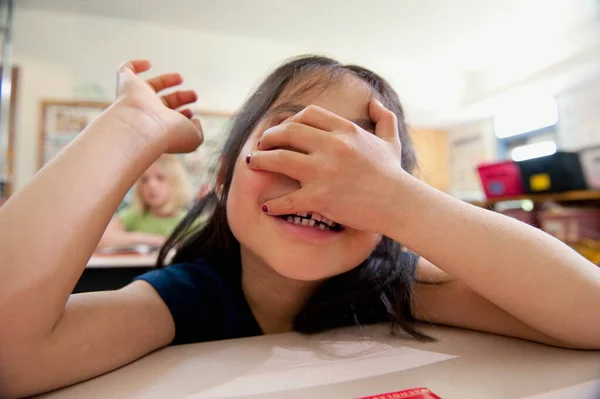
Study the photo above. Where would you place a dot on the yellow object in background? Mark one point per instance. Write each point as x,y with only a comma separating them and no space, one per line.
589,249
539,182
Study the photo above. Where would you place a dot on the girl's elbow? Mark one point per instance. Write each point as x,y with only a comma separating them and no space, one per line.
590,346
13,378
586,342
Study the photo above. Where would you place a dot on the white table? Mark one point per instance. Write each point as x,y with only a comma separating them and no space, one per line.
340,364
120,261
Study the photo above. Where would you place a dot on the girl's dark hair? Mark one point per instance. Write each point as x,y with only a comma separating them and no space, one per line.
378,289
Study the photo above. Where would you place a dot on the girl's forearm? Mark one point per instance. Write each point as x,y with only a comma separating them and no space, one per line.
51,227
523,270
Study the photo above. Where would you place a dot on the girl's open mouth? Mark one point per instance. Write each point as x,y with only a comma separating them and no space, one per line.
312,219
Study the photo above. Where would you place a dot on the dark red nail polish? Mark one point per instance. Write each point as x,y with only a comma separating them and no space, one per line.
265,208
248,158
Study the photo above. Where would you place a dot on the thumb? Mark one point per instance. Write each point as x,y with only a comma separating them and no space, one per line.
128,70
386,122
134,67
124,76
294,202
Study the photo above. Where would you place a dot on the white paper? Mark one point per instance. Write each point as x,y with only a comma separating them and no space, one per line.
289,369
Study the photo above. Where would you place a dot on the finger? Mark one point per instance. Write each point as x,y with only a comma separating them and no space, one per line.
165,81
135,66
198,126
177,99
187,113
287,120
297,201
293,135
386,122
128,70
322,119
289,163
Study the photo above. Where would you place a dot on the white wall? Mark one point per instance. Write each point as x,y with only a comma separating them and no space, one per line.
74,56
68,56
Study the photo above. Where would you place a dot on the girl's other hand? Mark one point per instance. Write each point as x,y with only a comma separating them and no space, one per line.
175,129
347,174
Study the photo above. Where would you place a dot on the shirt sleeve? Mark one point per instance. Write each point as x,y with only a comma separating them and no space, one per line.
197,300
128,217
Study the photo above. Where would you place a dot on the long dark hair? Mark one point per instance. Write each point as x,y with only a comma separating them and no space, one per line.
380,288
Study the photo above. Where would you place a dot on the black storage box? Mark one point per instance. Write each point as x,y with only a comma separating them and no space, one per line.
554,173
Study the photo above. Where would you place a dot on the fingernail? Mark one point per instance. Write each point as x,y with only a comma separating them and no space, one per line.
265,209
248,158
378,102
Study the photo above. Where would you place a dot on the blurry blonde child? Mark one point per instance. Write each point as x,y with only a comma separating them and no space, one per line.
161,198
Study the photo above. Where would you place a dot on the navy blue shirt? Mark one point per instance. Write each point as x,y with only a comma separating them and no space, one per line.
205,303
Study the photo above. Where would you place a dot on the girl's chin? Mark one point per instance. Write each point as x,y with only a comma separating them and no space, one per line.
314,272
303,276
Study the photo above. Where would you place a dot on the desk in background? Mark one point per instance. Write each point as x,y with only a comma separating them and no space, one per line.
348,364
111,272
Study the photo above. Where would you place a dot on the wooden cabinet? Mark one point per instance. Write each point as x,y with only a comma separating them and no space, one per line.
433,157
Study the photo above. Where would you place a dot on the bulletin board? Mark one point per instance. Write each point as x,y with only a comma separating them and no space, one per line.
61,121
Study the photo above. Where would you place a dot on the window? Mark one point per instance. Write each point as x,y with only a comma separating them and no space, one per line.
526,128
535,150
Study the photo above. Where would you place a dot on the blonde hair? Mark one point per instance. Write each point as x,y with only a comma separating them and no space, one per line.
181,189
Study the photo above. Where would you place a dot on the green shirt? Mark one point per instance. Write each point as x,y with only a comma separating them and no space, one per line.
134,220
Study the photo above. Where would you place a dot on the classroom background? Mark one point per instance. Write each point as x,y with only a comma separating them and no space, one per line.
503,103
503,98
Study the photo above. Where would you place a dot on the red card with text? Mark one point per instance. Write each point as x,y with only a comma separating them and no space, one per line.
416,393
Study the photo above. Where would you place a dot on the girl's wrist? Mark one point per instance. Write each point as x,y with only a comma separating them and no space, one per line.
141,125
409,199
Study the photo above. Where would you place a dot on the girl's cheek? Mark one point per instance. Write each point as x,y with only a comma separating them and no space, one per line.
265,186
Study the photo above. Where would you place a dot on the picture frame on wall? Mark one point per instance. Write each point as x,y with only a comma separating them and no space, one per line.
201,165
7,169
61,121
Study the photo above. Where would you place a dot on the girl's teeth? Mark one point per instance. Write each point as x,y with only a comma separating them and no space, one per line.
316,221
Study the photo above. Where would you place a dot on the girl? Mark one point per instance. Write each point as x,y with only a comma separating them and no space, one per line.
313,195
161,196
